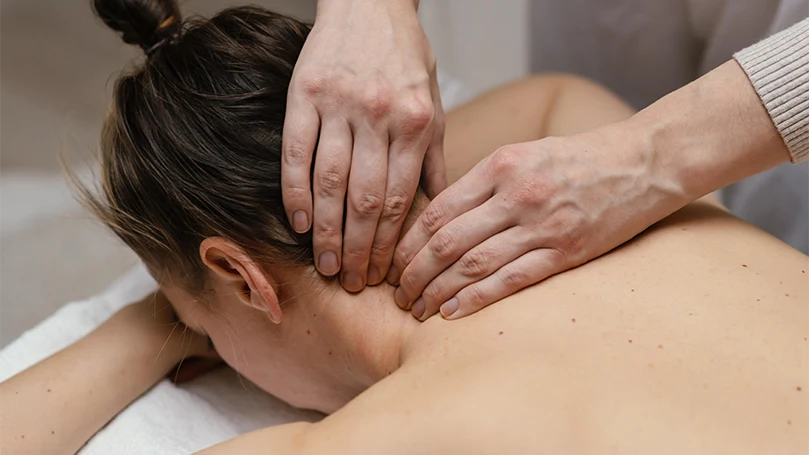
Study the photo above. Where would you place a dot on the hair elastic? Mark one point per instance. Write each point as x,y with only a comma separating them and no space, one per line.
166,23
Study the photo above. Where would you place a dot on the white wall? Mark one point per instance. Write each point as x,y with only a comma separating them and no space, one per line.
484,43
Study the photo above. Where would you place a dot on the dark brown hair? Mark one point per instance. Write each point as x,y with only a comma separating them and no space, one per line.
192,145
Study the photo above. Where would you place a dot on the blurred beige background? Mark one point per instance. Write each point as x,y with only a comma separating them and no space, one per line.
57,65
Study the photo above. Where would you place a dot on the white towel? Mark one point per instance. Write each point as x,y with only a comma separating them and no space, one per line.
169,419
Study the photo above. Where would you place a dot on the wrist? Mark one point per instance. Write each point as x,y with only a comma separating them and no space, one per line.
329,6
142,338
710,133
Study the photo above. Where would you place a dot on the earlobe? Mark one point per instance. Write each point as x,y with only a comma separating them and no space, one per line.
237,271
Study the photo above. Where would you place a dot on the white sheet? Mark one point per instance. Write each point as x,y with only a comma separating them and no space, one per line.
168,419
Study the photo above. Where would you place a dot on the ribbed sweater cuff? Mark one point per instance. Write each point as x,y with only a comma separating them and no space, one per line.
778,68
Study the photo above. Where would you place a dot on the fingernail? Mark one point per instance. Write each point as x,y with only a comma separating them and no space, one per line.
393,275
401,298
418,308
352,281
327,263
373,275
300,221
450,307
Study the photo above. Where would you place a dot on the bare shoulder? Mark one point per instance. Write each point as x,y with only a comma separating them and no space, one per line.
449,408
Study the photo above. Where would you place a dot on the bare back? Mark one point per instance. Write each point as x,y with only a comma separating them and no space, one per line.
690,339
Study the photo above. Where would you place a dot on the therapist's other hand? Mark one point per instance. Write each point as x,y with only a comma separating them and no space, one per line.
525,213
364,92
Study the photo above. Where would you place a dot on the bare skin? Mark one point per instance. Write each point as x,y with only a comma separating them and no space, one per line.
689,339
700,350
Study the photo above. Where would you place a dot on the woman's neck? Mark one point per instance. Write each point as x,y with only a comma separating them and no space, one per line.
364,335
367,334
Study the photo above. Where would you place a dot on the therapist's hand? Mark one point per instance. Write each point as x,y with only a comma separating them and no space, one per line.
364,93
527,212
532,210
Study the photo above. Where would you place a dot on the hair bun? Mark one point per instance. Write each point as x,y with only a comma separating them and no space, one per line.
146,23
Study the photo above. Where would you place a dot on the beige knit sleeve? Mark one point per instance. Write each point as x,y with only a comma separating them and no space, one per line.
778,68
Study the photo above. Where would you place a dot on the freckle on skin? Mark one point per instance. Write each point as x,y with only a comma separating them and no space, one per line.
744,265
500,333
630,341
798,388
329,352
787,294
659,346
53,432
22,436
789,422
633,290
758,300
573,320
308,332
49,390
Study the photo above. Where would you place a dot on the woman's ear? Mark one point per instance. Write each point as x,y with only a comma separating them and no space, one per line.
238,273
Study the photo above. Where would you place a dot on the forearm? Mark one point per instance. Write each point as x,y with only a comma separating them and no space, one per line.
709,134
286,439
57,405
329,6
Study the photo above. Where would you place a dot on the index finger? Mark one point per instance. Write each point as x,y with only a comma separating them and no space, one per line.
301,126
470,191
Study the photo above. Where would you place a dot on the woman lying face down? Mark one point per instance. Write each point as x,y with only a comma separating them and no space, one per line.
681,341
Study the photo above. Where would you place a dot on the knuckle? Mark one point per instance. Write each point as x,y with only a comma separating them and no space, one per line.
408,281
326,232
432,218
377,100
442,245
505,159
559,261
330,183
401,256
395,207
571,246
417,115
474,296
296,152
354,257
474,264
381,250
295,192
367,205
433,293
515,279
533,190
313,83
